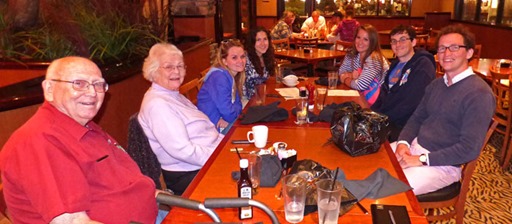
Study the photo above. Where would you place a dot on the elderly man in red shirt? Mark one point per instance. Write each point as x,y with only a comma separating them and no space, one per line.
61,167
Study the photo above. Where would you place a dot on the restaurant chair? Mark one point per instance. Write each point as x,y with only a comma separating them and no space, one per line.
503,115
191,89
284,45
202,75
4,216
453,196
141,152
339,45
306,42
439,69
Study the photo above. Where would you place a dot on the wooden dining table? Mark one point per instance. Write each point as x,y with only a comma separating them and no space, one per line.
311,58
215,180
267,94
483,66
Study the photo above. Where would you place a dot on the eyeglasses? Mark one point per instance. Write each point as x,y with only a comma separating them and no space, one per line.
82,85
172,67
452,48
401,40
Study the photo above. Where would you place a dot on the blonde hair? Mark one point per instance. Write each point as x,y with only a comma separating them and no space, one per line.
222,53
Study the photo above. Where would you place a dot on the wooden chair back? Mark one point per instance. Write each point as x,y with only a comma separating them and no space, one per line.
439,69
202,75
343,45
191,89
503,116
340,45
282,44
458,202
306,42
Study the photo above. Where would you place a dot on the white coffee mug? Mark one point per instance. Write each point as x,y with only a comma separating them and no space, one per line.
260,135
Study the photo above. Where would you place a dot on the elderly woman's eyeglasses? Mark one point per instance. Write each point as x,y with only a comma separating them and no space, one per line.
452,48
82,85
172,67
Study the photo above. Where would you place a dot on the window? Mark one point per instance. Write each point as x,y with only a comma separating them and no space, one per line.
492,12
296,6
360,7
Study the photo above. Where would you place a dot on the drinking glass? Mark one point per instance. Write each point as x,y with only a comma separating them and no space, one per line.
333,79
302,111
321,93
254,169
329,199
294,192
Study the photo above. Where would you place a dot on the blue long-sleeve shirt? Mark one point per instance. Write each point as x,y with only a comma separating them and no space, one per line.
218,97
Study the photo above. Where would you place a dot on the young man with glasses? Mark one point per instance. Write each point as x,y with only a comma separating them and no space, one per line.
61,167
449,126
406,79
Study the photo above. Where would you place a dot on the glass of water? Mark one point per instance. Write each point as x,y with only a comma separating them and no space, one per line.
329,199
294,193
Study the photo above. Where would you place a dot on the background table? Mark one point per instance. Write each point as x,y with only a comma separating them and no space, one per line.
312,58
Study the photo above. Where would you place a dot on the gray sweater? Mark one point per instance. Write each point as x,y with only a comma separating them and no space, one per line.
451,122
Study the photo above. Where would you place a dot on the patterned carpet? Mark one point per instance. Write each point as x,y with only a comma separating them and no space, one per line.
490,195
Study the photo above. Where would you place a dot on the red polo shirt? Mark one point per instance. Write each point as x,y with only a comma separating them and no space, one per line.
53,165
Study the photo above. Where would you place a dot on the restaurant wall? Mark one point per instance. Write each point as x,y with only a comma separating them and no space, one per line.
201,26
495,41
122,100
11,76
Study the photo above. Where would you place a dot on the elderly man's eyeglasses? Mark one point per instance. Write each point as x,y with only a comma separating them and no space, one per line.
172,67
82,85
452,48
401,40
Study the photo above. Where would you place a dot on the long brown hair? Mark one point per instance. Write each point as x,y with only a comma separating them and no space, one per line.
268,57
374,50
222,53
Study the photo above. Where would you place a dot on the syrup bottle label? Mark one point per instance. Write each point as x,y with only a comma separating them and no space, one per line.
246,212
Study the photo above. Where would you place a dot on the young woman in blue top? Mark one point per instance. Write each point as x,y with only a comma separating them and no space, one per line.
219,97
260,60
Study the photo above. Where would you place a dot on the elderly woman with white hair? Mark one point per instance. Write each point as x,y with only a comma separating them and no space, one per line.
181,136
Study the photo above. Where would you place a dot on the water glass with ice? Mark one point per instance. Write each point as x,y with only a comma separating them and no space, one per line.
294,193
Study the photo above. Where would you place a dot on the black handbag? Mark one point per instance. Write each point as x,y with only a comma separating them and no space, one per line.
358,131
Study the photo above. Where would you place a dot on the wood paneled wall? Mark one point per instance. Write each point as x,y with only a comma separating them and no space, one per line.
122,100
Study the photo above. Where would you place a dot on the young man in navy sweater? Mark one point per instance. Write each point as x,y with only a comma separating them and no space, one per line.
448,128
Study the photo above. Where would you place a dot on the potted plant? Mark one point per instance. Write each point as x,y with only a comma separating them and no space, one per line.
105,31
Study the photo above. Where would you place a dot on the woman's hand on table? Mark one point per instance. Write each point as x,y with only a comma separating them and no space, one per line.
222,123
355,74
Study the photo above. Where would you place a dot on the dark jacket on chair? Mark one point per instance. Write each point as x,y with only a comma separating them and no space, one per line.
140,151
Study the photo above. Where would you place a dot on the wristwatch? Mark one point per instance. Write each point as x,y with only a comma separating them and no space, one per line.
423,159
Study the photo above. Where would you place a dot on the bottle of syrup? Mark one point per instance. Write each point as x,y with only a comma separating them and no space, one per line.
244,189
